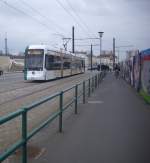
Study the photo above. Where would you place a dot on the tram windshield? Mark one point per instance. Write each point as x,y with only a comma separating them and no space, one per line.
34,59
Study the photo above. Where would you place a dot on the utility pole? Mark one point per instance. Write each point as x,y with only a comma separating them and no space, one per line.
73,49
91,57
100,36
62,63
114,53
6,48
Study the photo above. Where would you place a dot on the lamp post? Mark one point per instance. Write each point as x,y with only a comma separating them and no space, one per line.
100,35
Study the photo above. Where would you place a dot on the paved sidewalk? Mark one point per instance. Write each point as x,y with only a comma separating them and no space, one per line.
112,127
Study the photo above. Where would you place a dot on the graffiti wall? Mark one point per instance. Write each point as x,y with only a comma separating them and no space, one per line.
145,71
136,69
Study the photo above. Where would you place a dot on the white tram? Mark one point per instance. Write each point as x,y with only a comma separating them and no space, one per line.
42,63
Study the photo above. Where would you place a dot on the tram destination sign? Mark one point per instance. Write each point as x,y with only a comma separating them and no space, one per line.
35,51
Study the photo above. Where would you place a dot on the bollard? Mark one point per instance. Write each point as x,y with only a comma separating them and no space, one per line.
89,92
24,136
61,110
76,99
84,92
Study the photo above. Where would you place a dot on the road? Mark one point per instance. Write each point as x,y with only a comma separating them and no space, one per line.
18,93
11,77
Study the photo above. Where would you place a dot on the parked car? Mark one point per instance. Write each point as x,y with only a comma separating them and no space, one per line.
1,72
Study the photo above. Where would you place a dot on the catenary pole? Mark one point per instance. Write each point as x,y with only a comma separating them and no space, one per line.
91,57
114,53
73,48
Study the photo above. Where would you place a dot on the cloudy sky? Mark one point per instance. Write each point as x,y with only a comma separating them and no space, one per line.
44,21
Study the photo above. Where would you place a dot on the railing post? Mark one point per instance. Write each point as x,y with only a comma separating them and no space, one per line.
89,92
99,76
84,92
61,110
97,81
24,136
76,99
92,84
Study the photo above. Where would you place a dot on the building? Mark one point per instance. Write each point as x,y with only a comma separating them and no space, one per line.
87,57
106,58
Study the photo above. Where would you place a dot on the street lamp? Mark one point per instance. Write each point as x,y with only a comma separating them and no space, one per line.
100,35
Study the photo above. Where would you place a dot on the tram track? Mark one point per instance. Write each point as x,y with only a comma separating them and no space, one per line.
38,90
17,88
23,84
34,83
28,94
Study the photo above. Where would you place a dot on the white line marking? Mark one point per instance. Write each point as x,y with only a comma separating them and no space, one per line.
40,154
95,102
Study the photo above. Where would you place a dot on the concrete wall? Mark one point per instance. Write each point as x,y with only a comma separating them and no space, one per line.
5,63
17,65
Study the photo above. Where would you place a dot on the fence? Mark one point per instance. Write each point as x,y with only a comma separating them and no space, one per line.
92,84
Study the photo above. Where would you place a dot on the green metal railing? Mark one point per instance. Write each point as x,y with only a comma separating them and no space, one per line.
93,83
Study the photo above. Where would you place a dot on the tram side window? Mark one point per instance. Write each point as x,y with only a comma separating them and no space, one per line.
76,64
67,62
57,63
52,62
79,64
49,59
66,65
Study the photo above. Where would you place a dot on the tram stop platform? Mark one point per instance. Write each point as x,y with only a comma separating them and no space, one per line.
112,127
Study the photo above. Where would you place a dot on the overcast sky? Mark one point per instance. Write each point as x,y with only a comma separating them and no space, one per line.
41,21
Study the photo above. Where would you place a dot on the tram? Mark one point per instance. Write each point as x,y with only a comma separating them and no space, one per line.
42,63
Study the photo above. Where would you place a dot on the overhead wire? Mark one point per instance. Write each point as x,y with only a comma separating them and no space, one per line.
90,38
28,15
43,16
48,19
88,45
77,15
70,14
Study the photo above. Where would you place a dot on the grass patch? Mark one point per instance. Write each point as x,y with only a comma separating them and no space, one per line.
145,96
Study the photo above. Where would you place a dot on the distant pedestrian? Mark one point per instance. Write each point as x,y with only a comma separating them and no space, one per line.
1,72
117,70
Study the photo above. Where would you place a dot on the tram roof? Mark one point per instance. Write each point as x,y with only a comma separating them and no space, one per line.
39,47
48,48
